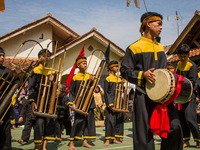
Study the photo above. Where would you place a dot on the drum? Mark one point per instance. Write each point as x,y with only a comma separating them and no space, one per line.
164,87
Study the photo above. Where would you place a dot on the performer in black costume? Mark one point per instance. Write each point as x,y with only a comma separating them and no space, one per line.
187,114
140,60
5,129
83,125
44,128
63,119
114,122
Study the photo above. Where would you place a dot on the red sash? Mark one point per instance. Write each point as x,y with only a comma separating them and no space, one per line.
159,122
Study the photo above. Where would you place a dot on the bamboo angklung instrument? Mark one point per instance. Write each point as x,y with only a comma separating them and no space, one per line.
47,107
6,102
126,98
50,84
96,81
83,84
120,101
61,72
83,101
53,95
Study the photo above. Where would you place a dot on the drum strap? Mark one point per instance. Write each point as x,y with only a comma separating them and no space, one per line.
140,90
159,122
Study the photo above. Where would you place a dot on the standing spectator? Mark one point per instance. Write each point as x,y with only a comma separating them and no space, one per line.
27,116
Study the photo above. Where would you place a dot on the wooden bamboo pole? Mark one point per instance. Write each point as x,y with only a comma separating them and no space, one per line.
60,81
88,84
53,95
53,61
96,84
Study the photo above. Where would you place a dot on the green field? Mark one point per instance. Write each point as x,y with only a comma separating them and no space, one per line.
127,143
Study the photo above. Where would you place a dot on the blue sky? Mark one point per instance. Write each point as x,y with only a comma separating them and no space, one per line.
112,18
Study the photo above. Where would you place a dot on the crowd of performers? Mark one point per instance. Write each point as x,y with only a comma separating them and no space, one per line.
140,60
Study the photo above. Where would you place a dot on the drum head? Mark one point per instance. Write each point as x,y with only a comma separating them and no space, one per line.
161,88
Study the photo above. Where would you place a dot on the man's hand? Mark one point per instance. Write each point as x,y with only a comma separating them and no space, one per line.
150,76
198,112
70,106
123,80
197,99
112,108
20,119
92,77
33,106
51,77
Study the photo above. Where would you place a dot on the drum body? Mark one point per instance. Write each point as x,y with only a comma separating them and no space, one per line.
164,87
185,93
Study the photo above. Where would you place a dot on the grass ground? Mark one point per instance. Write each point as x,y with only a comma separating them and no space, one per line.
127,143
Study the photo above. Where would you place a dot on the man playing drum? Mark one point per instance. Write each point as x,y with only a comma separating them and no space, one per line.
140,60
187,114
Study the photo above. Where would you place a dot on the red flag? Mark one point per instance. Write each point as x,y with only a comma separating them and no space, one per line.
71,74
2,5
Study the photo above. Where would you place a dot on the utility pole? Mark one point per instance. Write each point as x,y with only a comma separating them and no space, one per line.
177,19
145,5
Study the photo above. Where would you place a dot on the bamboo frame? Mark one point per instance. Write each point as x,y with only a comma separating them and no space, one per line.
6,104
79,106
121,104
43,112
60,82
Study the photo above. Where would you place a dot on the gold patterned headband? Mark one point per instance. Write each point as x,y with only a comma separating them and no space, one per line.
80,61
150,19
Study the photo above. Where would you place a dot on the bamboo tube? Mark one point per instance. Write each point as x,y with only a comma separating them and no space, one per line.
90,91
98,78
47,97
63,63
88,85
125,96
41,107
53,95
118,96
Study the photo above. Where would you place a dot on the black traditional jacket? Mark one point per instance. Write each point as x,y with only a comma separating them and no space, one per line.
35,81
141,56
76,86
189,70
111,88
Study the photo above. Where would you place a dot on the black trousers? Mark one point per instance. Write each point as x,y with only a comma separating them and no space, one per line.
62,123
114,124
188,119
198,119
83,126
44,129
29,123
142,135
5,133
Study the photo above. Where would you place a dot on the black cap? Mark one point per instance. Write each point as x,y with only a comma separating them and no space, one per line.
183,49
112,63
80,59
43,51
171,64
